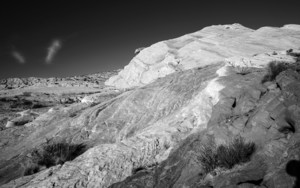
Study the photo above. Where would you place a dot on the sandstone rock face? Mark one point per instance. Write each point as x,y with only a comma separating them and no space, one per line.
209,45
151,136
112,126
246,108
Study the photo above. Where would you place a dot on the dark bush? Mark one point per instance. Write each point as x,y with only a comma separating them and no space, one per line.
292,53
27,103
274,69
54,154
59,153
235,153
242,70
38,105
4,99
208,158
32,170
226,156
27,94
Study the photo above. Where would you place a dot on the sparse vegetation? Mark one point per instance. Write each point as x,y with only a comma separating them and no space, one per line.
226,156
208,158
54,154
27,94
292,53
38,105
274,69
32,170
242,70
235,153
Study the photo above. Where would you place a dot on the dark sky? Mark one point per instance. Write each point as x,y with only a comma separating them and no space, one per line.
48,38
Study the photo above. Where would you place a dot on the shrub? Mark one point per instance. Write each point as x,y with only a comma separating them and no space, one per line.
242,70
54,154
59,153
38,105
291,52
208,158
235,153
226,156
27,94
274,69
32,170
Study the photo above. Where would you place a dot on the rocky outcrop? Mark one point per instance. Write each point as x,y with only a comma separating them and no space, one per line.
207,46
151,136
112,126
258,113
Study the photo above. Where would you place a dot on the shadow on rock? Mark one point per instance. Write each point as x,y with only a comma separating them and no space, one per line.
293,169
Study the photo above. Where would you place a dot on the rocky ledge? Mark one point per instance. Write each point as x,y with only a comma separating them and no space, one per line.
226,115
205,47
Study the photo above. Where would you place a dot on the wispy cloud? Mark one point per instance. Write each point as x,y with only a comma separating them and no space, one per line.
18,56
52,50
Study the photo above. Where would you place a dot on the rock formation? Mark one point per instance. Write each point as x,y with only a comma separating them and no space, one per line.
207,46
198,91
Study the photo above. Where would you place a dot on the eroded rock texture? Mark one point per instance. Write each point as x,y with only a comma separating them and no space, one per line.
151,136
207,46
